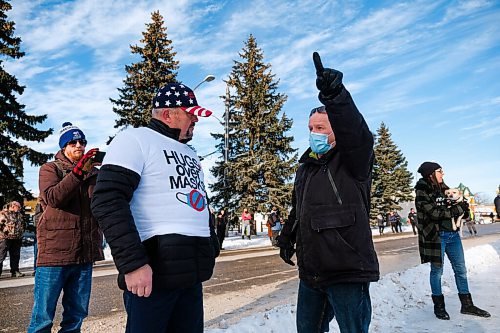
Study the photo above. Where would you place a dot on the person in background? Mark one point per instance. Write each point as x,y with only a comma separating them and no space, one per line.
151,202
329,223
470,222
69,239
496,201
436,238
398,222
381,224
221,224
412,218
393,222
274,224
246,220
11,237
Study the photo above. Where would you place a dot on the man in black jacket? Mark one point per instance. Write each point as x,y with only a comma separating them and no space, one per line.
151,204
328,225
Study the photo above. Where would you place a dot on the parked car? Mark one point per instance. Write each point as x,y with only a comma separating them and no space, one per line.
29,231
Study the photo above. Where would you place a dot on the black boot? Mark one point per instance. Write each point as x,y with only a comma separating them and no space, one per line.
439,309
469,308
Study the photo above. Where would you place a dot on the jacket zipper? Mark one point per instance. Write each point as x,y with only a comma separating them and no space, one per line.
306,185
335,190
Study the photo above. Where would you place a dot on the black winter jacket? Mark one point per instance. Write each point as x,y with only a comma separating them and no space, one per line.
329,220
177,261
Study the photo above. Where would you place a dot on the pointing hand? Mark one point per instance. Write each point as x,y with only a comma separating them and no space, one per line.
328,80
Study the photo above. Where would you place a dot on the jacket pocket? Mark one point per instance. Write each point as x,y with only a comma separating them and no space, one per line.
60,224
61,236
333,246
331,219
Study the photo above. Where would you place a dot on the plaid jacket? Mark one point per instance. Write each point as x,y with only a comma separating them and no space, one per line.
431,212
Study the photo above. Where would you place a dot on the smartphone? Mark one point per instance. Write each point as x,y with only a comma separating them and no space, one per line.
99,157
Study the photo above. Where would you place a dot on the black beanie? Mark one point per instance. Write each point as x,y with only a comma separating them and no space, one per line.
427,168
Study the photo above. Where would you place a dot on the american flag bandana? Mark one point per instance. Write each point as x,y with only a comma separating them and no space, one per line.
177,95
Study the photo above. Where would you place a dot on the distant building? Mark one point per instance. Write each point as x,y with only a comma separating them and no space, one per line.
465,190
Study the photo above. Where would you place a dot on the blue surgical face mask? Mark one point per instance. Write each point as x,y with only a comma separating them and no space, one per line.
319,142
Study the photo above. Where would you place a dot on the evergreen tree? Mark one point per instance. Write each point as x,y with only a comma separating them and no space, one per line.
391,182
156,68
15,123
261,161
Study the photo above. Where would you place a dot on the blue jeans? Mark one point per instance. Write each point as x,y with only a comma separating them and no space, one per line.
175,310
451,244
75,281
349,303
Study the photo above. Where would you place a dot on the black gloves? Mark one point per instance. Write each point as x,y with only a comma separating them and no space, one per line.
286,253
85,163
328,81
286,249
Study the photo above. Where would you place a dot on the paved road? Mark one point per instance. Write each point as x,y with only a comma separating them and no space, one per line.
235,270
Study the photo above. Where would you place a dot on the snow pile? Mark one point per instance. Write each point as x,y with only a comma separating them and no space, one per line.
401,301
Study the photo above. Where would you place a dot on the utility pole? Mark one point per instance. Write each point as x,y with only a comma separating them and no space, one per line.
226,146
226,135
226,127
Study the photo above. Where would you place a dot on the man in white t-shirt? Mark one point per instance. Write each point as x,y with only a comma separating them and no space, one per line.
151,204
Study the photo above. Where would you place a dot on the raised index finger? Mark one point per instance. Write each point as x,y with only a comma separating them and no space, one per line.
317,63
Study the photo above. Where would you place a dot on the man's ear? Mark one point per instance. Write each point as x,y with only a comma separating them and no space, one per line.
166,116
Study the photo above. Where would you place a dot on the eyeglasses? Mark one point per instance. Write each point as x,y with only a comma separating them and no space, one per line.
440,170
319,109
82,142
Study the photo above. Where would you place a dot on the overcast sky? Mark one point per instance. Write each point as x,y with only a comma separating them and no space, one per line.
428,69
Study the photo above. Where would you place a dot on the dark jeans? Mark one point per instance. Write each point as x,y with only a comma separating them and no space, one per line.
414,227
75,281
177,310
451,244
14,248
381,229
349,303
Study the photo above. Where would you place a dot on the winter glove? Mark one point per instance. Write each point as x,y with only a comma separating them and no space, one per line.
286,253
85,163
328,81
286,249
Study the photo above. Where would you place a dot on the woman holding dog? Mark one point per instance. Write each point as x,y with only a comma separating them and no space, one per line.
436,238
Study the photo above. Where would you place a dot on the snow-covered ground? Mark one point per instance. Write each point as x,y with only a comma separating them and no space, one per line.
401,301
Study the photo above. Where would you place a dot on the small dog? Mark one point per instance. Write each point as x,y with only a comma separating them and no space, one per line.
455,196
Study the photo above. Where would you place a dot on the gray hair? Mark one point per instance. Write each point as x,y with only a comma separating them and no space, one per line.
156,112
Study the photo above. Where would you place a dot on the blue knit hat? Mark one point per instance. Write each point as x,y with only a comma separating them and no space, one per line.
69,133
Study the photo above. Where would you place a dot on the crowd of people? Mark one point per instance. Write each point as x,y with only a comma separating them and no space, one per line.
148,199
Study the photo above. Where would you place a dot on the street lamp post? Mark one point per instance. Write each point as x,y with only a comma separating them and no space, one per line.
226,145
207,78
226,126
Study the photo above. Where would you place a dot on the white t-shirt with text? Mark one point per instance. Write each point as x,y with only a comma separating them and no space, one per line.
171,196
